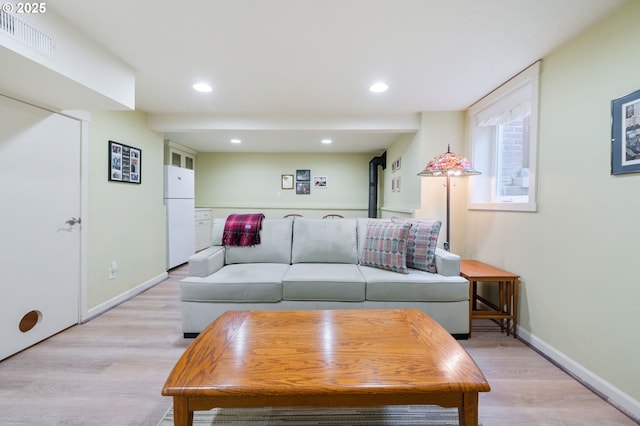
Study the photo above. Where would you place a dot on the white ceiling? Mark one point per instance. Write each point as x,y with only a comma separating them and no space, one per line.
287,73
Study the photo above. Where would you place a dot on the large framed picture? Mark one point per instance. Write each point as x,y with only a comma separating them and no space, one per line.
125,163
625,134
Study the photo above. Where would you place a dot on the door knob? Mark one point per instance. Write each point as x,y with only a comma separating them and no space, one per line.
73,221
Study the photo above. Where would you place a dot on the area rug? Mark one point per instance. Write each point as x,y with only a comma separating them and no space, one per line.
405,415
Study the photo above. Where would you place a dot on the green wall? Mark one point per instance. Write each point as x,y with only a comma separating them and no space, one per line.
425,197
126,222
236,183
577,254
402,201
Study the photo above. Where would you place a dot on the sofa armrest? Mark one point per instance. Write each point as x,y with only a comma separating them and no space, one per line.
206,262
447,264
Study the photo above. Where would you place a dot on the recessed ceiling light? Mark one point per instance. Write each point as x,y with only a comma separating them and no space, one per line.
202,87
326,141
378,87
236,141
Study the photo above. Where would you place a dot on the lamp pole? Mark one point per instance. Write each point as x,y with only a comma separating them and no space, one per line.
446,243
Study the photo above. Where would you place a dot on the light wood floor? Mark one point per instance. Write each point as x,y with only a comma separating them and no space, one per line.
110,371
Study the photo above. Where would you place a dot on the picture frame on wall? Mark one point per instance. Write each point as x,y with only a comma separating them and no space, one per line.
396,164
625,134
286,181
303,174
395,184
125,163
303,181
319,182
303,187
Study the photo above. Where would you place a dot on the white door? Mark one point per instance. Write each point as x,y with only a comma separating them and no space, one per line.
39,250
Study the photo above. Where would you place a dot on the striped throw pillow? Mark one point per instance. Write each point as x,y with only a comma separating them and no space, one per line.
421,243
385,246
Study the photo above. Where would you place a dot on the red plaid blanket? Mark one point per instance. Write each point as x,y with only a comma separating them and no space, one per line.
242,230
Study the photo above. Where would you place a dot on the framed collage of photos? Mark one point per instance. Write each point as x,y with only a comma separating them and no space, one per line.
125,163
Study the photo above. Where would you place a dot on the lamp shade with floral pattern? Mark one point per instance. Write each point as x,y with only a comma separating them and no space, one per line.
450,163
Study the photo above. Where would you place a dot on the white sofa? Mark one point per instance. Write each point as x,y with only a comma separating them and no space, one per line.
315,264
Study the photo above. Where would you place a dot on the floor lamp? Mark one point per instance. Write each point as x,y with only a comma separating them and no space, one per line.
448,164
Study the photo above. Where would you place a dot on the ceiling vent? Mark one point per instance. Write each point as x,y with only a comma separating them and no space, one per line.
26,34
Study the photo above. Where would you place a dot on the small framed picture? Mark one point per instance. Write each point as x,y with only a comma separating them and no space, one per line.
319,182
625,134
303,174
395,184
286,181
303,187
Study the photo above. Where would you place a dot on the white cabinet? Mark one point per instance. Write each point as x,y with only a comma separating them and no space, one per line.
181,159
179,156
203,228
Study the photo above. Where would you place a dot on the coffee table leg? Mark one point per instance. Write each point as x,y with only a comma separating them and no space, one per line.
182,416
468,412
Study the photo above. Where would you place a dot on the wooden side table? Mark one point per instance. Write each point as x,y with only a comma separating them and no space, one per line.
506,312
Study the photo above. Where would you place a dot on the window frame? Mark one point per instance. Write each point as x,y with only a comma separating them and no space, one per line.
483,193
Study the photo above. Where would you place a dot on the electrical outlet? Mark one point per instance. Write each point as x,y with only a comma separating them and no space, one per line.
113,270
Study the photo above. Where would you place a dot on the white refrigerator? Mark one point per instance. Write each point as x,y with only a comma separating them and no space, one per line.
179,200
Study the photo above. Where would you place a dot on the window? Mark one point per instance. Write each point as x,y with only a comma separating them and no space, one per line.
503,129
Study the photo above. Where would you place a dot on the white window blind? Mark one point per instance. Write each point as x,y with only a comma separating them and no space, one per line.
503,131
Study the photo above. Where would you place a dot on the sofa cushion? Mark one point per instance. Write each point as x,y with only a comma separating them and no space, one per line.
254,282
274,247
416,286
385,246
421,243
324,241
330,281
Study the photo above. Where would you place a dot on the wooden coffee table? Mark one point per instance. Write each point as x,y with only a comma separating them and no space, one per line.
324,358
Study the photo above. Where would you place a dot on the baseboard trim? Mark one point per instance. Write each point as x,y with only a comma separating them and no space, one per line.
123,297
595,383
